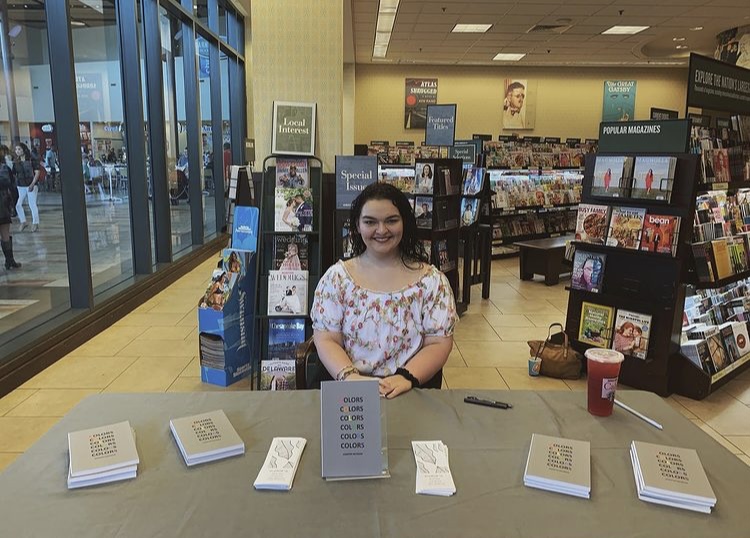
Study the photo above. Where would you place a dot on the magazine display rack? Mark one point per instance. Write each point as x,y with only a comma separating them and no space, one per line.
289,263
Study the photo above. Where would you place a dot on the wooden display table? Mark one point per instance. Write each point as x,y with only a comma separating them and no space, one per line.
544,257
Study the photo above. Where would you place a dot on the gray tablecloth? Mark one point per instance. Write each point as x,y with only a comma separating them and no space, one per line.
488,449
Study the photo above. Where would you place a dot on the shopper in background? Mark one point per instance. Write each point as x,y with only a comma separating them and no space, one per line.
386,313
51,162
227,164
6,207
26,171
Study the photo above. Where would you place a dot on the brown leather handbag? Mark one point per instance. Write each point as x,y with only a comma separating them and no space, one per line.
558,358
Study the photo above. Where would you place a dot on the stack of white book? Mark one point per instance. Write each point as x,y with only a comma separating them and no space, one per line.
559,465
433,472
206,437
281,463
671,476
101,455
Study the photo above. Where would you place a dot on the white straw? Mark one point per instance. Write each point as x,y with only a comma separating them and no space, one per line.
639,415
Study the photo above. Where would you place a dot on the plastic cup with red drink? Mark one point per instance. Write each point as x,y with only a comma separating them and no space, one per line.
603,371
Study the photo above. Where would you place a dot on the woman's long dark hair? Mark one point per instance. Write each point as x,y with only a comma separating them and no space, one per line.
26,151
410,248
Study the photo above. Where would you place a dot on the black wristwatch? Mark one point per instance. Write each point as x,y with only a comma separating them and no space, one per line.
406,374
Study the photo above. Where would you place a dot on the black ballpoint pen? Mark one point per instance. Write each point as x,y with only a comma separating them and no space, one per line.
488,403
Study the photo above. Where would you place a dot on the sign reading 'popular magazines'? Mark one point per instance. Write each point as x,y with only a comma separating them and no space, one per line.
353,174
716,85
441,125
293,128
650,137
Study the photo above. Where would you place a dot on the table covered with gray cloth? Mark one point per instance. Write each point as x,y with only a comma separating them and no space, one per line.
487,450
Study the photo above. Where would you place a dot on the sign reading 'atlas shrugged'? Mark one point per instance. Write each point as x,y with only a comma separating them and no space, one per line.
441,125
718,86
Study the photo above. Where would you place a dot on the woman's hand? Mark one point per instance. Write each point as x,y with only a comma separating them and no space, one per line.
393,386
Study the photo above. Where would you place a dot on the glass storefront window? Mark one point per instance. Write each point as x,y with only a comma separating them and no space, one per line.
207,153
226,122
200,9
222,21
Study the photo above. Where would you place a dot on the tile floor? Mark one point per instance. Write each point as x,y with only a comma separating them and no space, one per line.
155,349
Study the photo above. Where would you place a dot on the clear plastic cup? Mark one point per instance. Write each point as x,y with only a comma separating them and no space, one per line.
603,371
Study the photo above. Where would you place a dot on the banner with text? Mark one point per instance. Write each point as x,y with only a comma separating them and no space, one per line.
667,136
441,125
293,128
663,114
619,100
353,174
718,86
420,92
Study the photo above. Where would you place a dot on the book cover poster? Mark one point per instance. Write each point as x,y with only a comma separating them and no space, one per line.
292,173
440,129
353,174
611,176
588,271
423,211
278,375
401,178
473,181
293,128
290,252
519,106
470,210
619,100
625,227
596,324
284,335
420,92
293,210
632,332
653,178
591,223
660,233
287,293
424,173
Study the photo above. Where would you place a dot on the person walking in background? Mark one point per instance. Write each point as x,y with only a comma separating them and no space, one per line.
6,208
51,161
227,164
26,171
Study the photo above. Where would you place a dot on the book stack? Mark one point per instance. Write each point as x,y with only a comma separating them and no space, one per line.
671,476
433,472
206,437
102,455
281,464
559,465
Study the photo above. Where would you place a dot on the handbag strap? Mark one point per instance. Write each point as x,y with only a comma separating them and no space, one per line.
549,335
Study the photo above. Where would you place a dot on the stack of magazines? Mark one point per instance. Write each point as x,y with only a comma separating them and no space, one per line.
212,351
559,465
671,476
102,455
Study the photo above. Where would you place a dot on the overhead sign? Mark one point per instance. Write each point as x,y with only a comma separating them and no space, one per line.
353,174
667,136
441,125
663,114
716,85
466,151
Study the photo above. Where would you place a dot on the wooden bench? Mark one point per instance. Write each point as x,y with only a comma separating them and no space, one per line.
544,257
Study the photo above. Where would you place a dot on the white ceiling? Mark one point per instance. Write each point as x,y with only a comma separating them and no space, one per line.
422,31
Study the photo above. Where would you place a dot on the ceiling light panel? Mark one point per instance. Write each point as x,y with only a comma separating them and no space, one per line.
471,28
388,6
385,22
624,30
508,57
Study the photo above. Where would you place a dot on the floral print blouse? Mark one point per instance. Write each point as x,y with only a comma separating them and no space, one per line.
383,330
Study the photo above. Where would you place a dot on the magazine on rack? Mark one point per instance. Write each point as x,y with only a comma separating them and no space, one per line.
632,331
287,293
653,178
290,252
625,227
591,223
292,173
612,176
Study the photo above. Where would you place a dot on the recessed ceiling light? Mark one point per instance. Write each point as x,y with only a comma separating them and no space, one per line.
508,56
379,51
77,23
680,47
624,30
678,39
696,28
471,28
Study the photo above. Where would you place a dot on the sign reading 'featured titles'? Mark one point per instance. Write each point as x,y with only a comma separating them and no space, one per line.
353,174
619,100
718,86
420,92
441,125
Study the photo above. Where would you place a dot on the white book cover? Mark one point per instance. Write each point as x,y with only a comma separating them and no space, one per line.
558,464
287,293
206,437
102,449
281,463
433,472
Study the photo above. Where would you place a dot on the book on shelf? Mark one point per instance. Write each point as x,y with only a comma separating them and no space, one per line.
292,173
720,258
625,227
718,353
284,335
741,339
591,223
101,455
596,324
287,292
697,352
632,332
401,178
612,176
588,271
470,211
290,252
293,211
660,233
653,178
671,476
278,374
559,465
702,262
423,211
446,260
451,182
424,173
473,181
730,344
206,437
447,211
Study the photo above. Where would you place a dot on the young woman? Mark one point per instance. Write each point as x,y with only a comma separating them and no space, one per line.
26,171
386,312
6,208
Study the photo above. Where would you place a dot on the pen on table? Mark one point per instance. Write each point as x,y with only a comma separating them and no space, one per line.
639,415
489,403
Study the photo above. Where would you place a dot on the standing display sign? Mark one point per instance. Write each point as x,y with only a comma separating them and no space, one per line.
352,435
441,125
293,128
420,92
718,86
663,114
667,136
619,100
353,174
466,150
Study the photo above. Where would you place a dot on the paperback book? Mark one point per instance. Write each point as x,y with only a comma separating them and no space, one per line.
284,335
447,213
401,178
101,455
588,271
292,173
653,178
632,331
596,324
446,259
559,465
612,176
278,375
293,210
718,353
423,211
470,211
290,252
281,464
473,181
625,227
697,352
660,233
206,437
451,183
424,173
591,223
287,293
